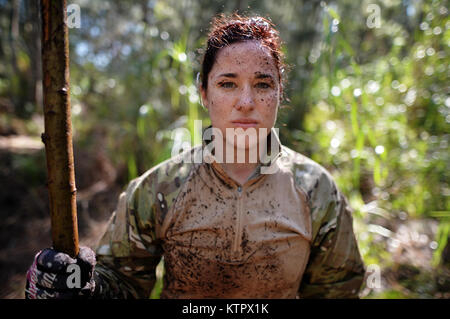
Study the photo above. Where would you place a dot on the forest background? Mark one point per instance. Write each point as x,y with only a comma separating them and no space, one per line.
367,97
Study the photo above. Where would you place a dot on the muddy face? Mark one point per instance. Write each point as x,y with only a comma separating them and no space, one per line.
243,88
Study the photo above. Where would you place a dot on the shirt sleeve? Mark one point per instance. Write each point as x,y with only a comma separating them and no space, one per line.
129,251
335,268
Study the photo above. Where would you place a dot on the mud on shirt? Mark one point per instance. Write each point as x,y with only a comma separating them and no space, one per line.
282,235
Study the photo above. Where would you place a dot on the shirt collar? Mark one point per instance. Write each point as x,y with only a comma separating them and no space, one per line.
273,153
273,141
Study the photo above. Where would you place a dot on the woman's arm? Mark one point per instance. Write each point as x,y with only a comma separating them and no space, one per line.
335,268
129,251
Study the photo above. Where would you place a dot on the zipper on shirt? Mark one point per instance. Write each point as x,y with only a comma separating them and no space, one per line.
238,222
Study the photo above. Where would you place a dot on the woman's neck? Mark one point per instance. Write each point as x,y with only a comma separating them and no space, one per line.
239,172
240,168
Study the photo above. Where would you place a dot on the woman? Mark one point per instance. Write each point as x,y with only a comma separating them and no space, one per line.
275,227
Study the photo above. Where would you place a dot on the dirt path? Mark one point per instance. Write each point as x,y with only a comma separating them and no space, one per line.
24,212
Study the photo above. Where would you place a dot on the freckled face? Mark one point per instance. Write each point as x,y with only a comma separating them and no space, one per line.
243,88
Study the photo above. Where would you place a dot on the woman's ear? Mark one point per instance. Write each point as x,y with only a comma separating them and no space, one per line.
203,96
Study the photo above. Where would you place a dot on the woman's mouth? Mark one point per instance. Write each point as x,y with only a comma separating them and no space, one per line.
245,123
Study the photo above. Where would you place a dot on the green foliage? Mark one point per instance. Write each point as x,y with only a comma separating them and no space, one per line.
369,103
443,233
157,288
379,120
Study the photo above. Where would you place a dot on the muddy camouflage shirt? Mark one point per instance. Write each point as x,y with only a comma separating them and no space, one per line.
283,234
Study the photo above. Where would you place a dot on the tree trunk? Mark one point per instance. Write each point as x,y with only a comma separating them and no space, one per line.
58,128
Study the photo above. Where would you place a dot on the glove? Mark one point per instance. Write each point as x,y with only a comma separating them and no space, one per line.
55,275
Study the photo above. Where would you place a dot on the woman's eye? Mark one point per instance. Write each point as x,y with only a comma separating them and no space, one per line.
227,85
263,85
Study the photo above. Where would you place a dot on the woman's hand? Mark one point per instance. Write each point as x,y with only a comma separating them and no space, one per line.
55,275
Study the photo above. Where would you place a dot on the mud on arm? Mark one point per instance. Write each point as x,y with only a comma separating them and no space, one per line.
335,268
128,253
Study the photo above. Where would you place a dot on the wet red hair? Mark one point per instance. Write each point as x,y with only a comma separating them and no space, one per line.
226,30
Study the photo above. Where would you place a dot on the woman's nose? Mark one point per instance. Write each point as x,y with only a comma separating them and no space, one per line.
246,101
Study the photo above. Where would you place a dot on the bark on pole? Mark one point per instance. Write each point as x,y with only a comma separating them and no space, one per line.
58,128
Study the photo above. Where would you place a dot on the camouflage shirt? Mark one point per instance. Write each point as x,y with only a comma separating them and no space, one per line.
283,234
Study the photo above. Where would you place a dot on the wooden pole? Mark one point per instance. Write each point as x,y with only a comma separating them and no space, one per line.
58,128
